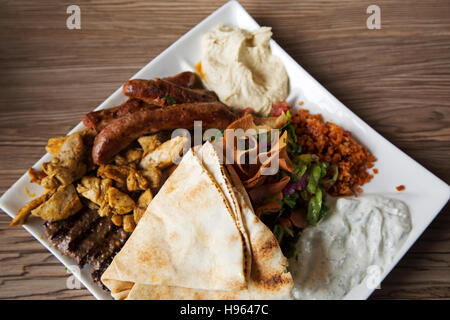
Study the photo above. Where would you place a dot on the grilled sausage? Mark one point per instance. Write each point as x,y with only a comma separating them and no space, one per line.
186,79
97,120
122,131
163,92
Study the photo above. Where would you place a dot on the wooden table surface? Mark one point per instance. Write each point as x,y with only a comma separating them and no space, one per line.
396,79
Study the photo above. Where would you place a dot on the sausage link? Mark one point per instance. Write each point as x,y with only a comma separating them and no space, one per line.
124,130
163,92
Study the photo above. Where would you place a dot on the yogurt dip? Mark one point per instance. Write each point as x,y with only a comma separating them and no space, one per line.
240,67
357,234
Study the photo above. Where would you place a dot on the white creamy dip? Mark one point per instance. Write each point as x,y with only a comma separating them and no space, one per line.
240,67
356,234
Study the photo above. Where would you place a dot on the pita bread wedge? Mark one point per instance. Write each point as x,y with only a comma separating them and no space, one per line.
268,279
187,238
210,160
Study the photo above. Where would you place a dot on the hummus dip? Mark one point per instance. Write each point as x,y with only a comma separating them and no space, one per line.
240,67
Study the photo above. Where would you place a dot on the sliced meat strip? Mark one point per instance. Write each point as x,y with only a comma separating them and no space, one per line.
113,241
94,237
121,132
67,243
96,274
58,229
102,260
88,238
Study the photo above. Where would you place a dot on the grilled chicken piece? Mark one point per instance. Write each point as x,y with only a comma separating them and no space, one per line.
101,192
128,223
113,172
23,213
117,219
144,200
131,158
136,181
166,154
121,132
92,188
125,176
54,145
153,176
149,143
36,176
120,202
61,205
68,165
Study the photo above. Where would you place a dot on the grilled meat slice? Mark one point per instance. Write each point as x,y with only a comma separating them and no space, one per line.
101,258
94,237
88,238
121,132
110,245
66,234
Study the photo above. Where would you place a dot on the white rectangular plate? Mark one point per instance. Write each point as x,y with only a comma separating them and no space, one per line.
425,194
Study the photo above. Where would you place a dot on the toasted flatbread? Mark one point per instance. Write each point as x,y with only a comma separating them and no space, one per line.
187,238
268,279
210,160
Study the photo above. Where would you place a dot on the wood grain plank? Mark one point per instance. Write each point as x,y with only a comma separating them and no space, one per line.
51,76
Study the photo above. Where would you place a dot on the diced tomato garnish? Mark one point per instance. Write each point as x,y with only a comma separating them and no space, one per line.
248,110
278,108
286,222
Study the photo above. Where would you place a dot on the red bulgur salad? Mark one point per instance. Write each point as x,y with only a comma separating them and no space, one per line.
318,158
